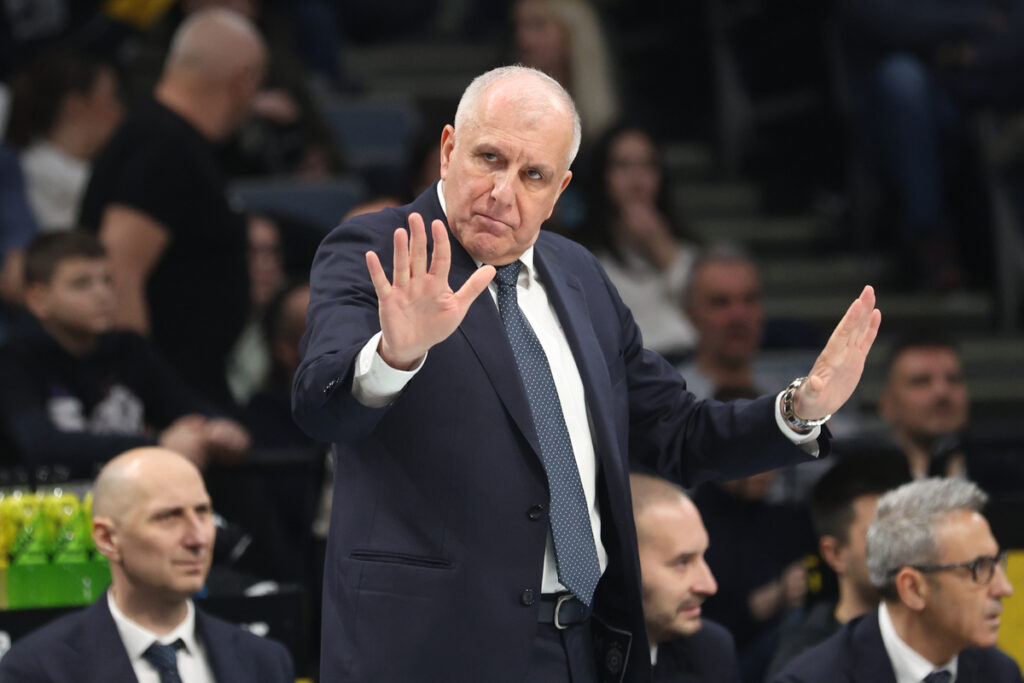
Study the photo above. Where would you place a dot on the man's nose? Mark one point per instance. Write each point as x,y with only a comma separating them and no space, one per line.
1001,586
503,189
705,584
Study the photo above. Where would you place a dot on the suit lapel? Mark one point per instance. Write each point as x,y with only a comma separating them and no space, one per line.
218,644
566,295
482,329
869,660
100,651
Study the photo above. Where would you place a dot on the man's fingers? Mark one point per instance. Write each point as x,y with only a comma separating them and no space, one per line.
871,332
441,261
476,283
377,276
401,277
417,245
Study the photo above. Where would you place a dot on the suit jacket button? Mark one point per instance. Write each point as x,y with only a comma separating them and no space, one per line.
527,597
535,512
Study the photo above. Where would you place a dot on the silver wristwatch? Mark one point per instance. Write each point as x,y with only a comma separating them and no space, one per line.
789,415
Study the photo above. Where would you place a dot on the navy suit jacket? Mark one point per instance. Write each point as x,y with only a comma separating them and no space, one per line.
855,654
85,647
438,528
708,656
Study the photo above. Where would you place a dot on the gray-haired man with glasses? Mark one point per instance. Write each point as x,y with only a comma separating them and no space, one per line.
942,578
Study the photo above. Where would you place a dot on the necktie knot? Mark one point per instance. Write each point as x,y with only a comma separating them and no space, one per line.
508,274
942,676
164,658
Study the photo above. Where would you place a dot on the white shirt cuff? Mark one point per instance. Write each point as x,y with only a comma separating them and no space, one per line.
376,384
808,442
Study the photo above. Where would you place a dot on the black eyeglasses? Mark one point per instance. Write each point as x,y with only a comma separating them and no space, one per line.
982,568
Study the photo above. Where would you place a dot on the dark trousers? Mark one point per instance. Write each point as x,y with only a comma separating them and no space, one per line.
565,656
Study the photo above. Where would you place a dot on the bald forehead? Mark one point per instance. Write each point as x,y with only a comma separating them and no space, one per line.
217,43
140,475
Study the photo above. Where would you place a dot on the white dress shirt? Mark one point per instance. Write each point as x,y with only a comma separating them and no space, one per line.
375,384
907,664
192,663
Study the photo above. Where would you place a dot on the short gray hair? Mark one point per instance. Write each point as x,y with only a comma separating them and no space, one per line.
903,533
729,253
469,103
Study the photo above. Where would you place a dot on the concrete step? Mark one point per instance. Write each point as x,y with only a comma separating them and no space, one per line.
687,161
783,275
420,69
713,199
759,233
900,311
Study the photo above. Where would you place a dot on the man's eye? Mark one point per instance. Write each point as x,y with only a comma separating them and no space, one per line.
533,174
490,156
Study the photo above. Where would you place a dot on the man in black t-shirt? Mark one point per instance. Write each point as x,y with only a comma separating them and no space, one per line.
75,394
157,200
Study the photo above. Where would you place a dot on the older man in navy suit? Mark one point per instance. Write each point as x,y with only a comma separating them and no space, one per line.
481,527
153,520
942,578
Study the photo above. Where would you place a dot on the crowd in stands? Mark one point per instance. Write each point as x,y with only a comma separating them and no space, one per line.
142,307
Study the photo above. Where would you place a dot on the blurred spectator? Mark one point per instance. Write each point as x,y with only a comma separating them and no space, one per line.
914,69
563,38
754,598
926,403
283,132
157,200
843,505
65,108
153,520
942,578
269,415
642,246
17,225
676,581
723,299
249,362
76,394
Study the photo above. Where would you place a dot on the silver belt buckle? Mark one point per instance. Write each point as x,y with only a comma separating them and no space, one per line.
558,609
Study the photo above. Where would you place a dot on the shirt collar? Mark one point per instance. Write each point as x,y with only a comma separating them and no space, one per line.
137,638
526,258
907,664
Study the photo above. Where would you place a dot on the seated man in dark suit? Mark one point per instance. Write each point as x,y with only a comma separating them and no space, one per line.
153,520
676,580
942,578
843,504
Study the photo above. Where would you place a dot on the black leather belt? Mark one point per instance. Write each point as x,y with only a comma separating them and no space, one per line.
562,610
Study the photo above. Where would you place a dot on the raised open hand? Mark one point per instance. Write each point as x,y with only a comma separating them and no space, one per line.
839,366
419,309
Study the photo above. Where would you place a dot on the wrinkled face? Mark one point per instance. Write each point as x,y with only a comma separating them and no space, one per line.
725,307
503,174
675,578
165,540
926,395
632,175
79,298
853,554
959,612
541,39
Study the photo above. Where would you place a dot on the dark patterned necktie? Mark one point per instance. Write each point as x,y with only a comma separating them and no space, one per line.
575,553
938,677
164,659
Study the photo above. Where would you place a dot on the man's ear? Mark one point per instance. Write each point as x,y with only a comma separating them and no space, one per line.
831,552
105,536
447,145
36,299
913,588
